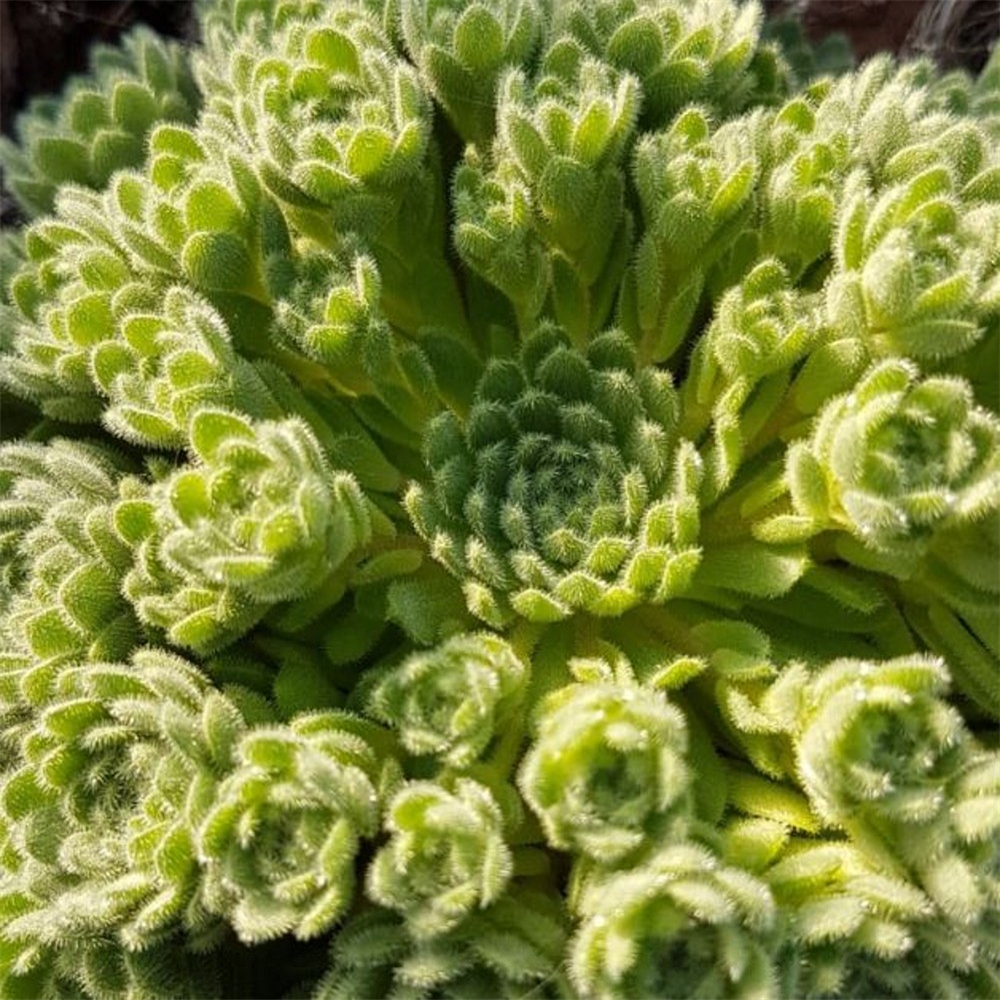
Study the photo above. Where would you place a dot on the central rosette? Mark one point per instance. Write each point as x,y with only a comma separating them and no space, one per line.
565,489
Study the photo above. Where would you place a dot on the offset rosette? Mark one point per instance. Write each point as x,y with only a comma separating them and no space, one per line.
280,842
335,118
100,123
461,49
914,277
697,188
97,826
883,755
61,307
200,215
850,928
166,363
896,461
740,369
565,489
854,927
446,856
495,232
681,53
261,510
807,157
62,561
99,318
881,741
258,520
452,701
548,215
607,772
512,949
681,925
338,128
332,311
762,326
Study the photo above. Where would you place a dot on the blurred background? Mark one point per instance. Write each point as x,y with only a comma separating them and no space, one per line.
956,33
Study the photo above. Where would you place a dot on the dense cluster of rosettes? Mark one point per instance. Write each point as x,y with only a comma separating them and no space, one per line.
501,499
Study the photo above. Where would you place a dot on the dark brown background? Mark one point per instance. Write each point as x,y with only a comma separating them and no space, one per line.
872,27
44,41
956,33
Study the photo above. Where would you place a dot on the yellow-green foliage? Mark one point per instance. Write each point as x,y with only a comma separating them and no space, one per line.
501,499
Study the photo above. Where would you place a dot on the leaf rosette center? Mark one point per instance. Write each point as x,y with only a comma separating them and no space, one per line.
898,460
565,489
